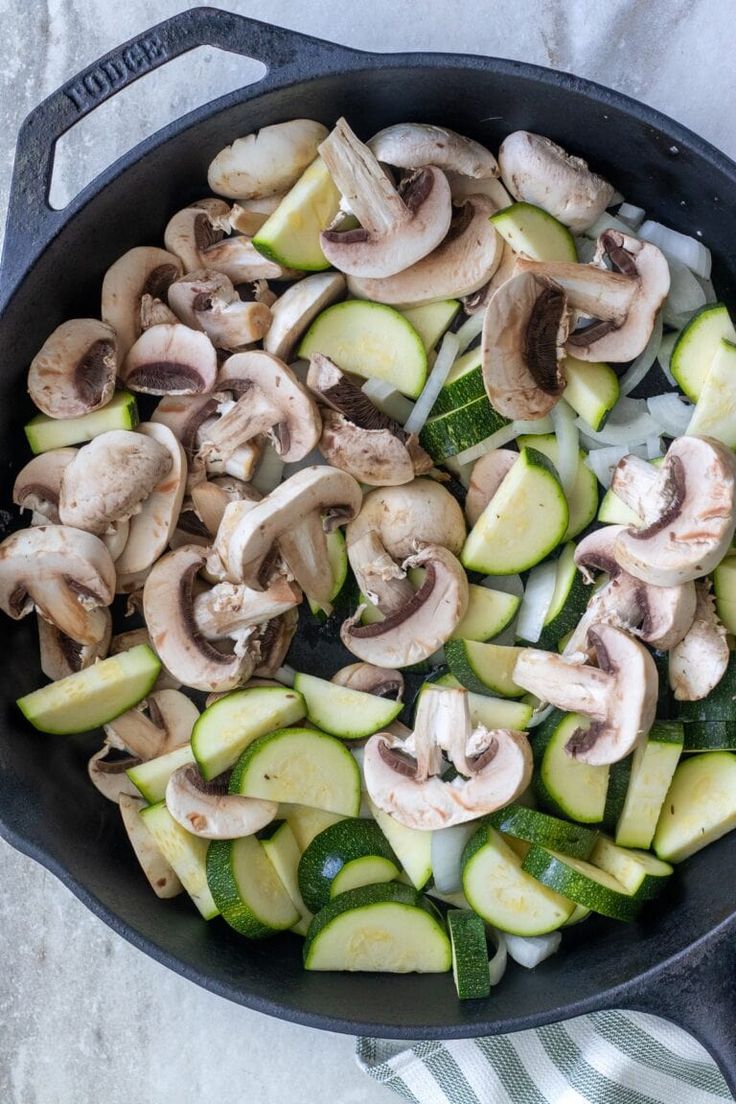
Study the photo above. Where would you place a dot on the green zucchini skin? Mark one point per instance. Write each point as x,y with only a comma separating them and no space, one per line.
469,954
581,882
718,706
345,841
549,831
709,736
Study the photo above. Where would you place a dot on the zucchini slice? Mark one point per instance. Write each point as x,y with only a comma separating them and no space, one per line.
224,730
719,705
431,320
581,882
337,554
299,765
582,499
44,433
489,711
489,613
469,954
306,823
412,847
290,236
653,765
569,601
348,714
619,776
724,588
281,846
367,870
641,874
246,888
567,786
187,854
386,928
535,827
534,233
484,668
700,806
592,390
715,411
709,736
463,385
339,847
445,435
696,346
152,777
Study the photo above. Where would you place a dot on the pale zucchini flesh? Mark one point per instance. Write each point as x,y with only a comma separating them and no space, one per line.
348,714
224,730
700,806
185,853
246,888
290,236
652,768
44,433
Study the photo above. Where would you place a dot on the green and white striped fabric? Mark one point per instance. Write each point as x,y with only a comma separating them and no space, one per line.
604,1058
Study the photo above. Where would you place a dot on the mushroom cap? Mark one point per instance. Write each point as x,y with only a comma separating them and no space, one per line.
185,415
170,360
192,230
62,572
695,523
151,529
237,258
143,271
171,718
524,330
38,484
698,662
73,372
538,171
109,477
408,517
381,681
209,499
486,477
61,656
206,300
207,810
109,777
266,162
412,145
461,264
299,305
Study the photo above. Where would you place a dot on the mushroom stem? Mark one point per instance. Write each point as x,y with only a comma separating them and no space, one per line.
368,189
304,548
594,291
251,415
228,608
639,486
378,576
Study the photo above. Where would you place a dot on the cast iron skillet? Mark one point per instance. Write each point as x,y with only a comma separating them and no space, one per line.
680,960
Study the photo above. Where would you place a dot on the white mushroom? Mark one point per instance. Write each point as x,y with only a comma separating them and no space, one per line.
170,360
38,483
168,725
108,775
162,877
151,529
197,236
132,289
299,305
61,656
413,145
227,609
273,642
210,498
247,216
185,415
381,681
699,661
267,162
207,810
73,372
379,577
408,517
206,300
486,477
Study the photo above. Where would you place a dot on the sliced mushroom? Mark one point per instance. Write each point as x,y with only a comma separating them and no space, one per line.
108,775
408,517
63,573
274,642
266,162
594,291
479,300
699,661
153,526
168,599
412,145
293,311
379,577
210,498
414,632
381,681
228,608
291,519
162,877
156,313
185,415
73,372
537,170
248,215
38,484
524,332
397,228
486,477
171,718
170,360
207,810
619,695
197,236
357,436
489,186
116,538
132,288
463,263
694,524
121,642
206,300
61,656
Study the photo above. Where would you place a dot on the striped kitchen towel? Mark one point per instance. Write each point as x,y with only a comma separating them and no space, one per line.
604,1058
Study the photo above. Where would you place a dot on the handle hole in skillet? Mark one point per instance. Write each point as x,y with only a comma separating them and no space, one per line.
134,113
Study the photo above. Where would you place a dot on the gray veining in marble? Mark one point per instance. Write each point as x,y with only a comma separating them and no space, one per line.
85,1018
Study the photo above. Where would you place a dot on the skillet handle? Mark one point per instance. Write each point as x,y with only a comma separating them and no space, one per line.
31,222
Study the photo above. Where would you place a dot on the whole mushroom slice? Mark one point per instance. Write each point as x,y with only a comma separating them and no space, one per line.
486,477
299,305
699,661
191,231
206,300
619,695
63,573
109,477
162,877
290,520
267,162
274,642
397,228
170,360
524,332
73,372
227,608
463,263
414,632
696,515
381,681
61,656
408,517
123,641
538,171
151,529
168,600
38,483
412,145
132,288
357,436
207,810
168,725
108,774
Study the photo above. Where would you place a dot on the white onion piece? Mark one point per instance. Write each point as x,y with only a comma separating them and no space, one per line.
530,950
269,472
607,221
708,289
679,247
308,461
602,461
540,587
447,846
507,584
537,717
388,400
358,754
628,424
665,355
469,330
640,367
671,413
285,675
446,357
632,215
654,448
566,432
501,437
497,964
685,297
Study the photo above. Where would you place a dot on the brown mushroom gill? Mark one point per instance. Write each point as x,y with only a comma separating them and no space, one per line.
397,617
673,493
398,760
541,339
91,374
165,375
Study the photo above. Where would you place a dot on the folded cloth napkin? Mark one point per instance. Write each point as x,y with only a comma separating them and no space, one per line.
604,1058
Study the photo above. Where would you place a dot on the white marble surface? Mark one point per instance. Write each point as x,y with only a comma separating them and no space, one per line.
83,1016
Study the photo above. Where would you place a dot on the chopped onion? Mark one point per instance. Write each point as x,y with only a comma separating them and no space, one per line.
497,964
671,413
540,588
685,297
285,675
448,845
446,357
602,461
679,247
568,448
469,330
628,424
665,355
388,400
640,367
358,754
708,289
632,215
654,448
269,472
537,717
607,222
533,427
530,950
507,584
501,437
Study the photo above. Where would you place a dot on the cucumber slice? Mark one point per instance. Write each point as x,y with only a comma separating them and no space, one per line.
526,518
372,340
94,696
535,827
619,777
152,777
45,433
349,714
582,500
569,601
696,346
338,847
431,320
484,667
299,765
581,882
187,854
464,383
489,711
641,874
290,236
567,786
225,729
715,411
709,736
247,890
445,435
489,613
534,233
652,768
503,894
469,954
700,806
719,705
385,928
724,588
337,554
283,850
412,847
592,390
306,823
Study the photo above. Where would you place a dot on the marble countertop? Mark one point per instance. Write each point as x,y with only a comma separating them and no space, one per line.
84,1016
